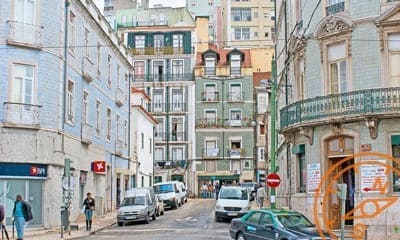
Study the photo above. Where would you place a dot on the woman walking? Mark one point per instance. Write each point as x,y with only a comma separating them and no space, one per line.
89,208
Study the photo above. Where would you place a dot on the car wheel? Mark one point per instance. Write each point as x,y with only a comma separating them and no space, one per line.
217,219
153,216
240,236
162,213
147,219
120,224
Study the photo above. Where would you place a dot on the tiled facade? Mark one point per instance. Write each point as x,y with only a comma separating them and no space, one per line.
343,106
38,130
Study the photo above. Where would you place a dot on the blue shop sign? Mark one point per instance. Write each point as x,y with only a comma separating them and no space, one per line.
23,170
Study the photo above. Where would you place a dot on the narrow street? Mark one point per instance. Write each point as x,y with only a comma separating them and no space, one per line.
194,220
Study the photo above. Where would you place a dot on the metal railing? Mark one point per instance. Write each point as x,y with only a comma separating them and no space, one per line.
160,136
157,51
21,114
143,23
235,96
210,96
173,136
350,104
210,152
163,77
219,123
24,33
236,152
162,107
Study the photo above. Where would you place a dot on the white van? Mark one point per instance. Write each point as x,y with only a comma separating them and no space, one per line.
170,193
233,202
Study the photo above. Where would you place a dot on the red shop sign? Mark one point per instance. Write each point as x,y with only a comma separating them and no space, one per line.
99,167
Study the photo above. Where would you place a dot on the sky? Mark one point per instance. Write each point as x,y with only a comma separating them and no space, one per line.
168,3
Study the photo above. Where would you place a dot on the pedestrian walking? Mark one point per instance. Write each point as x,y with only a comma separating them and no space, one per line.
21,215
3,229
89,206
261,194
217,187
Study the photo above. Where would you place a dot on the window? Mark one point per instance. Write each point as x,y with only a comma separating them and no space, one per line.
300,79
139,43
98,118
158,100
254,218
235,114
235,64
118,77
241,33
241,14
177,154
211,148
109,71
70,101
177,43
394,59
210,116
266,219
23,83
159,130
71,32
272,14
159,154
177,100
126,132
87,51
108,124
158,70
210,3
98,58
235,92
158,43
142,140
261,155
337,68
150,145
177,129
302,172
210,65
85,107
117,128
177,70
334,6
25,11
210,92
139,71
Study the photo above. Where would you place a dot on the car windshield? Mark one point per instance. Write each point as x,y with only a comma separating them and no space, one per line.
138,200
233,193
294,221
164,188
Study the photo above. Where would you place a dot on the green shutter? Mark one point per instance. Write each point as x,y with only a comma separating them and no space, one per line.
187,43
395,139
297,149
131,40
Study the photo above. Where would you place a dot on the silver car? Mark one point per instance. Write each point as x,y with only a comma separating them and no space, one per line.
136,208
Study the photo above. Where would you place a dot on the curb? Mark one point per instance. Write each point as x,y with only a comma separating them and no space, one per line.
94,231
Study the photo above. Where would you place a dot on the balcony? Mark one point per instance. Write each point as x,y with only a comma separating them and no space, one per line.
158,51
210,152
335,8
236,152
86,133
171,164
163,77
24,34
235,96
178,136
21,114
167,107
119,97
349,106
209,123
210,96
88,70
120,147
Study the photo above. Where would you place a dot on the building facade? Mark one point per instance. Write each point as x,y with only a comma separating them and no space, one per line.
161,42
338,100
142,138
225,150
54,110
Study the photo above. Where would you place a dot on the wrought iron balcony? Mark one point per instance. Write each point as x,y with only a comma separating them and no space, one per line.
382,102
170,164
163,77
236,152
88,70
162,107
210,152
87,133
226,123
210,96
22,114
157,51
24,34
335,8
178,136
235,96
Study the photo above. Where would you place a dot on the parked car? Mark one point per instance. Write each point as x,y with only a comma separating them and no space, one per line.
233,202
169,192
252,186
160,206
183,192
139,204
274,224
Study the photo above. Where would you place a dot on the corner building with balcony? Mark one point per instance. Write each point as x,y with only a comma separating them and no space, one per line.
47,118
161,40
339,98
224,117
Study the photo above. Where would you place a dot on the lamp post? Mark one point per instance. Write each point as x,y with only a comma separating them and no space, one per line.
273,129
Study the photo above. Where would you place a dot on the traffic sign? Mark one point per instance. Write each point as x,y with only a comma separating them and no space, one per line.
273,180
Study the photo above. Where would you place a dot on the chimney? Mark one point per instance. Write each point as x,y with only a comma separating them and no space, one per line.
202,33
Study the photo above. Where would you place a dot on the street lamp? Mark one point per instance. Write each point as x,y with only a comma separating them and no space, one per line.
273,129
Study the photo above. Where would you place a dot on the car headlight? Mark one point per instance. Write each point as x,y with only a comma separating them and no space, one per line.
219,207
246,208
120,212
141,211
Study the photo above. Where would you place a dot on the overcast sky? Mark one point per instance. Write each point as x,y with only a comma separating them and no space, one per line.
169,3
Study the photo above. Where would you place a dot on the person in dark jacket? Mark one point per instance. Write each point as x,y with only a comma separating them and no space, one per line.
2,214
89,205
20,213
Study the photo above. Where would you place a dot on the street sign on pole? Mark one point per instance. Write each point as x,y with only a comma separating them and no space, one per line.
273,180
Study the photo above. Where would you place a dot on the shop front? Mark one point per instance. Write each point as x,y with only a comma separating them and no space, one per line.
206,184
26,180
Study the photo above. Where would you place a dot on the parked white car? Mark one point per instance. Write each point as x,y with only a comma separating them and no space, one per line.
169,192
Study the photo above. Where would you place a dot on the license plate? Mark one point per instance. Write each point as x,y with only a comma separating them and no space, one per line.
232,214
131,217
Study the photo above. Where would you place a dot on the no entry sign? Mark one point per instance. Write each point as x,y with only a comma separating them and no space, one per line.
273,180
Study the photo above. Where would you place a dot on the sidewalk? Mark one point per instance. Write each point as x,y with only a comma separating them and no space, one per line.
99,223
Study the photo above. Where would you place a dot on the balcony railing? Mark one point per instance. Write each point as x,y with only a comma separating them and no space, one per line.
218,123
25,34
172,107
87,133
163,77
178,136
335,8
373,102
210,96
160,136
119,97
22,114
157,51
236,152
235,96
210,152
162,22
171,163
88,70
